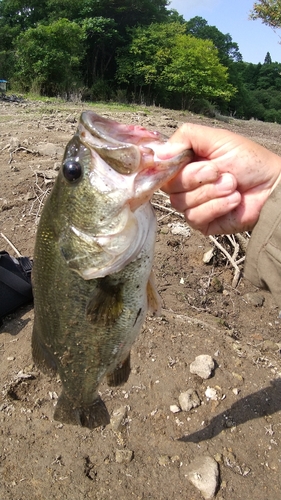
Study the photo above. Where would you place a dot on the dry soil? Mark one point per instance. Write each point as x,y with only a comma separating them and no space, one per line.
202,314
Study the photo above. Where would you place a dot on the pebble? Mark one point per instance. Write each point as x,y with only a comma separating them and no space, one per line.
174,408
117,418
255,299
189,399
124,456
180,229
164,460
207,257
211,393
203,473
202,366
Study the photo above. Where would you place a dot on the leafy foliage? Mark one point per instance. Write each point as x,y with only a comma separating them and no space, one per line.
161,58
136,50
269,11
227,49
267,59
48,57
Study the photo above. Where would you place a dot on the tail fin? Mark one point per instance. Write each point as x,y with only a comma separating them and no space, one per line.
90,416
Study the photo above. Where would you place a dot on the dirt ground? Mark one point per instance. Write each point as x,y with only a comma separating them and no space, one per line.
148,455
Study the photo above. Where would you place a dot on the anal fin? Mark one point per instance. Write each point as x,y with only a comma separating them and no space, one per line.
120,375
91,416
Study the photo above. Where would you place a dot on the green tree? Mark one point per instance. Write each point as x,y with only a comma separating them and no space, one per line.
105,24
250,73
141,63
102,38
163,58
175,17
48,57
267,59
269,11
195,71
269,77
227,49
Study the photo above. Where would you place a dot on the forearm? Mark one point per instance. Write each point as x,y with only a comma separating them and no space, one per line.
263,259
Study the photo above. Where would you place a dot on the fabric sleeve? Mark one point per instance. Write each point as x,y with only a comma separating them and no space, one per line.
263,256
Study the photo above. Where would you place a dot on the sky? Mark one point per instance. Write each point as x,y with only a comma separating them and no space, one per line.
232,16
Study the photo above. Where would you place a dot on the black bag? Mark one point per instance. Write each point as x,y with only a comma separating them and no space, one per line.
15,283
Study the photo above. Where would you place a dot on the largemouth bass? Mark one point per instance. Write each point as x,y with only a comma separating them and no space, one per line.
92,273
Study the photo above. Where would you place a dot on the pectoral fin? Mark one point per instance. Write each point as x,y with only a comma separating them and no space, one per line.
106,304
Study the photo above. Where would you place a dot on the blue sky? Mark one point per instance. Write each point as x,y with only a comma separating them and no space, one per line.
231,16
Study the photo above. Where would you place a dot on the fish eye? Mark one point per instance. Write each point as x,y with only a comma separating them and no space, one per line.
72,170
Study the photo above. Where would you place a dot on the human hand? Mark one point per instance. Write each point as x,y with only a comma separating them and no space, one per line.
224,189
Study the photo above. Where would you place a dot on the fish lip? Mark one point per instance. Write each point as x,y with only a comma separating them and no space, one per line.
123,156
128,149
123,134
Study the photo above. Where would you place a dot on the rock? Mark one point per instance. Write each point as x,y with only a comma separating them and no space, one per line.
164,460
174,408
203,473
254,299
202,366
189,399
179,228
207,257
211,393
124,456
117,417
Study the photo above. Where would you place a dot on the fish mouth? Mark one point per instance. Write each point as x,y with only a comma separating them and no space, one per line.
125,148
131,150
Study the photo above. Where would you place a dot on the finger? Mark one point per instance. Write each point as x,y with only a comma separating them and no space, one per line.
192,176
242,218
203,140
224,186
206,217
